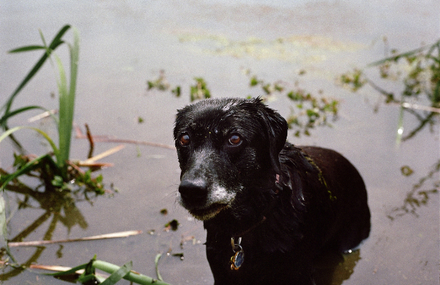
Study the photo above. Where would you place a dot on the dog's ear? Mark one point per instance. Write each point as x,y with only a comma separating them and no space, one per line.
276,127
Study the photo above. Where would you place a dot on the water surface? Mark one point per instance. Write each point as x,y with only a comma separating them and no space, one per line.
126,43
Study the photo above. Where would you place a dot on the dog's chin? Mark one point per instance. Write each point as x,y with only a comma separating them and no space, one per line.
209,212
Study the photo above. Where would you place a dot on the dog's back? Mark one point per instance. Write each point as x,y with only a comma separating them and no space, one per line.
348,192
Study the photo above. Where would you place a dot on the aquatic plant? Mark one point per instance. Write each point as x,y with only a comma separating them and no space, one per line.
89,275
57,41
307,110
198,91
420,193
418,71
55,173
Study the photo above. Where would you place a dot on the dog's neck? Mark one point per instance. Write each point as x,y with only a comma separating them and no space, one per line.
254,225
266,211
237,258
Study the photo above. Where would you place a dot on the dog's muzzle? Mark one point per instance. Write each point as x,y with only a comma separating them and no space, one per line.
193,193
203,201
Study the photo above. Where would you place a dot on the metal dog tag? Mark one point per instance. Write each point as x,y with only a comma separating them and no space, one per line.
238,258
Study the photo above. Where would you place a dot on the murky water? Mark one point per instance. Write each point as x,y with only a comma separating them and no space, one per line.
126,43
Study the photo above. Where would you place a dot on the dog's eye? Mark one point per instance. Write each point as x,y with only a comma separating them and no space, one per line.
184,140
234,140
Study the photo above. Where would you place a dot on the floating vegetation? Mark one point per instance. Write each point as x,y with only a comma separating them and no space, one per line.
307,111
160,83
419,72
197,91
172,225
294,48
420,193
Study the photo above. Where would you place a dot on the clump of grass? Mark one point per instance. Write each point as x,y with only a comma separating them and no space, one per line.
66,103
54,168
62,178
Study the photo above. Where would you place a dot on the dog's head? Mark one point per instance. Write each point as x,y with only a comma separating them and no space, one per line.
226,147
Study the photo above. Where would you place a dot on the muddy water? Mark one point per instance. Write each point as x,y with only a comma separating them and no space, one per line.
126,43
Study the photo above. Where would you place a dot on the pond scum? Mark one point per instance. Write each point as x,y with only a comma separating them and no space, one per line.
64,182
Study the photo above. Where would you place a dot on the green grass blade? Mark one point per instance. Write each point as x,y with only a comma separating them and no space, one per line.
45,135
156,262
74,59
405,54
53,45
118,274
67,101
18,111
68,272
131,276
62,80
64,130
26,168
27,48
43,40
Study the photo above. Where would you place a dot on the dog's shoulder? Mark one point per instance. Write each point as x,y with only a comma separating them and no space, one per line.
293,157
302,176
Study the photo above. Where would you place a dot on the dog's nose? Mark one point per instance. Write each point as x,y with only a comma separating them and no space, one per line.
193,192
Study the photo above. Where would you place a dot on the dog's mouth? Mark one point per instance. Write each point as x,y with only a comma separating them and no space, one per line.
208,212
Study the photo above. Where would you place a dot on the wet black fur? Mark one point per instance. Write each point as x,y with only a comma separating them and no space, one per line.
318,203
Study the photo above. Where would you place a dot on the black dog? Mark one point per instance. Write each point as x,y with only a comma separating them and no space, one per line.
268,207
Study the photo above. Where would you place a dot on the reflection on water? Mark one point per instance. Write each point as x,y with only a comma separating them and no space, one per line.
334,269
419,196
59,208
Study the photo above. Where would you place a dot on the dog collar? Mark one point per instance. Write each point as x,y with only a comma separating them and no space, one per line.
237,259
